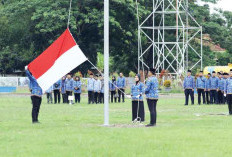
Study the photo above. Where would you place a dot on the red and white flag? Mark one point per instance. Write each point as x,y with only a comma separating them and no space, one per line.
57,60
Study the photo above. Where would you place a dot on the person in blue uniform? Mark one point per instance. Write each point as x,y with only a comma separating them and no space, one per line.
56,91
207,90
49,95
201,87
213,84
62,90
137,91
69,84
112,87
226,76
96,89
228,92
90,84
152,96
36,96
77,89
221,84
121,85
189,85
101,97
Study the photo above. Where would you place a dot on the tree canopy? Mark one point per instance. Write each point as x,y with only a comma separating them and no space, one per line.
28,27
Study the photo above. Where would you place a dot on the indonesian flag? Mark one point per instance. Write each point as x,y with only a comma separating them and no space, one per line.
56,61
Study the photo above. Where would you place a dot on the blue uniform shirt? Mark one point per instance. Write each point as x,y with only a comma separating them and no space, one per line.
90,84
57,85
49,90
102,86
137,90
207,84
228,86
112,85
97,86
201,83
213,83
35,88
77,87
69,84
121,82
151,90
189,82
221,84
63,90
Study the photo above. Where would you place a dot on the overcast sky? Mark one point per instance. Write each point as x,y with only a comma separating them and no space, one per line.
225,5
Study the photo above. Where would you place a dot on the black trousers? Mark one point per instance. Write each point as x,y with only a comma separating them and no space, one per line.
213,97
221,99
101,97
152,108
68,93
207,93
187,93
49,98
121,93
96,97
229,100
36,102
64,97
77,97
90,97
113,96
200,93
138,110
56,95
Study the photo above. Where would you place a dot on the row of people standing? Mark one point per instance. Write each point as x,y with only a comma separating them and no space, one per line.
95,89
211,89
67,86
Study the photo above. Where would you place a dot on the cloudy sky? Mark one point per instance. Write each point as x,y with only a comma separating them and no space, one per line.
225,5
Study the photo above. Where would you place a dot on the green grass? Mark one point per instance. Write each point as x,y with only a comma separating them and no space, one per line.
67,131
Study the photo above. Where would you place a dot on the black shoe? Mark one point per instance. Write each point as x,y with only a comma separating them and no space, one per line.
36,122
192,104
150,125
186,104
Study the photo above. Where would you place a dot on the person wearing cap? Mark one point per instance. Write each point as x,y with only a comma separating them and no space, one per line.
62,90
112,87
207,90
189,85
228,92
101,97
90,84
77,89
69,84
213,84
152,96
221,84
137,91
36,96
121,85
96,89
56,91
201,87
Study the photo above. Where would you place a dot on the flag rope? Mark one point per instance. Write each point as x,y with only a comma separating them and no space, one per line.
108,76
70,7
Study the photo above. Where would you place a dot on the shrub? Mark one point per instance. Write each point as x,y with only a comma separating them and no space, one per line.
167,83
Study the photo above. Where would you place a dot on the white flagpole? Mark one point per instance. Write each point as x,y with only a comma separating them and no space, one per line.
106,62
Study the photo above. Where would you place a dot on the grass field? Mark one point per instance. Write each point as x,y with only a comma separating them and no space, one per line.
68,131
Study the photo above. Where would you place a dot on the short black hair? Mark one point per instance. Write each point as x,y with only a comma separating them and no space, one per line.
213,72
152,70
201,71
190,71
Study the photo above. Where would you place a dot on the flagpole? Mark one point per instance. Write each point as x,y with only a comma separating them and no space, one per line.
106,62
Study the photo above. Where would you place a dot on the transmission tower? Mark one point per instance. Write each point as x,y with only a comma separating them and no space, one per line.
169,37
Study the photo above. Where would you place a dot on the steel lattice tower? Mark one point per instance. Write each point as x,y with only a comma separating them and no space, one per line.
168,36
